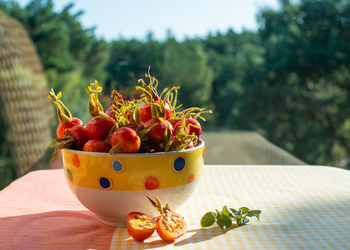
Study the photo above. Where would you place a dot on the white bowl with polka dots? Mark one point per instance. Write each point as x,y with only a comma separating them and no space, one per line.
111,186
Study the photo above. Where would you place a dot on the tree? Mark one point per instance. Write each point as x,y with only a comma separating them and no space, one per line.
306,77
288,81
129,61
186,65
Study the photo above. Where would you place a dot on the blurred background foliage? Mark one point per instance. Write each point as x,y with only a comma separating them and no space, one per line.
289,80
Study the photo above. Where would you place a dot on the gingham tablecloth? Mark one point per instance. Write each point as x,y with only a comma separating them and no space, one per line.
302,207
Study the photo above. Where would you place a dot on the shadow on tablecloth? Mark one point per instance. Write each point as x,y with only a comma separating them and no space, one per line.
55,230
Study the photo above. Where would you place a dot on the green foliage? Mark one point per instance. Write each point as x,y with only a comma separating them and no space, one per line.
72,85
306,76
129,61
288,81
225,218
186,64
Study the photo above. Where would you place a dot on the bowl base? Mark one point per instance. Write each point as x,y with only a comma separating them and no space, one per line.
112,222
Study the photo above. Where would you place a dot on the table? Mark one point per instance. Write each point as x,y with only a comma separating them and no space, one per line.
302,207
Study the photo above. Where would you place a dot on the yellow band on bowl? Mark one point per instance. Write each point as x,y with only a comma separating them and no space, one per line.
133,171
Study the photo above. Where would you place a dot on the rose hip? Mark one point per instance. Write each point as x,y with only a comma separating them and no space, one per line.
146,112
63,114
78,133
61,128
158,131
98,128
195,126
96,145
125,140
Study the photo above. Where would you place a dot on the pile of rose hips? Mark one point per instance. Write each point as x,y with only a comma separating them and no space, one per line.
152,123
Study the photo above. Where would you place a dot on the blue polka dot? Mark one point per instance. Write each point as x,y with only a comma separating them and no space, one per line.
117,166
179,164
104,182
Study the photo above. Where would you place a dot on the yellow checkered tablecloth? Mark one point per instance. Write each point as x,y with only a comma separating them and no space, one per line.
302,207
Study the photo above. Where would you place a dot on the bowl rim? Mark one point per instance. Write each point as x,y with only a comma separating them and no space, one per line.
201,145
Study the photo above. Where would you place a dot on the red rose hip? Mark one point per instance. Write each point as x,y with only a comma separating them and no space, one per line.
98,128
96,145
78,133
125,140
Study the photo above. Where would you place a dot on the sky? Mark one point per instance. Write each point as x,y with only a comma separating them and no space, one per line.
128,19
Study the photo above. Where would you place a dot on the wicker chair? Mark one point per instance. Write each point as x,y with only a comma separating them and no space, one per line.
23,96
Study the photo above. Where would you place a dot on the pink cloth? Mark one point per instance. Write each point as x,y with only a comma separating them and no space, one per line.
44,214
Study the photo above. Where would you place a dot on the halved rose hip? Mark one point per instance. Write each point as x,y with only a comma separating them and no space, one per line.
140,226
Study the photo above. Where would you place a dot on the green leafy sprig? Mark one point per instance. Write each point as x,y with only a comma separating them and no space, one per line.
63,113
225,218
95,107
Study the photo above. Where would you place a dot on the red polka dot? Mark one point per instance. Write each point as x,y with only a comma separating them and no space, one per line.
151,183
190,178
76,161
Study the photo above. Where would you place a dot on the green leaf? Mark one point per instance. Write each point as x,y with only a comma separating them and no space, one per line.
237,214
227,216
223,221
244,210
242,221
227,212
255,213
233,210
208,219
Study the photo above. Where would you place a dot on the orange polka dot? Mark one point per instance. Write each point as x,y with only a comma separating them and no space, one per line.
151,183
203,154
190,178
76,161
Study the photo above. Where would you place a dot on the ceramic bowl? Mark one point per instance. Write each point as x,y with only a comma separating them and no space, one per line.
111,186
